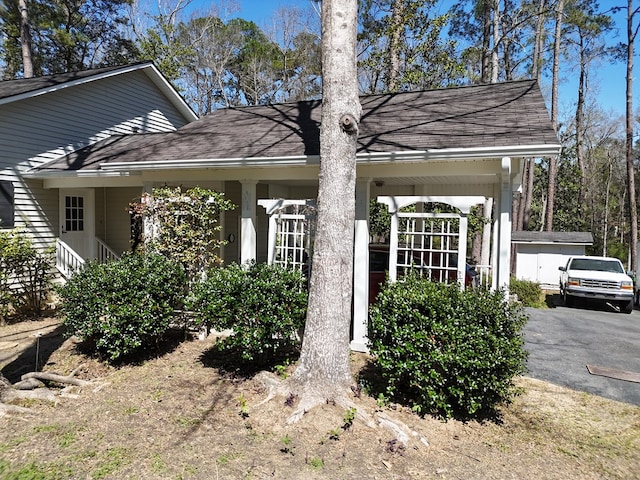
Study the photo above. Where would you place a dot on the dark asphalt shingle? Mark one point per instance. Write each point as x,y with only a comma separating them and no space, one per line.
481,116
10,88
585,238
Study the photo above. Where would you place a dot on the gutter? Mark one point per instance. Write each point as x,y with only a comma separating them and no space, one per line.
450,154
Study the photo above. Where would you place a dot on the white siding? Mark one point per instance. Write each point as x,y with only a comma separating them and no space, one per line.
39,129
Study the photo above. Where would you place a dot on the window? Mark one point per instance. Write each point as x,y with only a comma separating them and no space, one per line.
74,214
6,204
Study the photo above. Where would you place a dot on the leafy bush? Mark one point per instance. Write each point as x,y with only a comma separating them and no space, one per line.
123,306
264,305
529,293
185,224
25,273
445,351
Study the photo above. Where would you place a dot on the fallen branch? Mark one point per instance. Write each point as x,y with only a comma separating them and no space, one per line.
54,377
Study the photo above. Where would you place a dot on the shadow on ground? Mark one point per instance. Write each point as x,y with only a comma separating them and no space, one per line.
36,355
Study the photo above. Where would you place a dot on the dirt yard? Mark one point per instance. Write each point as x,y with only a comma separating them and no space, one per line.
180,415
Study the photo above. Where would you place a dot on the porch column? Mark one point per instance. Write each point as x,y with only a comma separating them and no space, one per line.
248,221
503,263
361,267
486,231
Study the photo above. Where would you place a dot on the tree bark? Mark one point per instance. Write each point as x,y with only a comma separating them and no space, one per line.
25,39
551,187
496,41
633,212
536,61
485,74
580,154
323,372
395,44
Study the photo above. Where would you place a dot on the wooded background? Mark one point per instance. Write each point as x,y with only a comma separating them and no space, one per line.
216,60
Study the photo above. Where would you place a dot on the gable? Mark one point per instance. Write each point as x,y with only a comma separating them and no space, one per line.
39,128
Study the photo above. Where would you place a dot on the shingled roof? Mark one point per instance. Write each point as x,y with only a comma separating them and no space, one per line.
12,88
511,114
579,238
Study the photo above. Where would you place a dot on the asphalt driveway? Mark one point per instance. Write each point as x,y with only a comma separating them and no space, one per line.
562,341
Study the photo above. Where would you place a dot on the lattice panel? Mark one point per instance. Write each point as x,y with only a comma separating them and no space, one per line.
294,234
429,244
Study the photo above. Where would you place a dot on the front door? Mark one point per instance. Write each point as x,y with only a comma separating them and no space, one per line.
77,220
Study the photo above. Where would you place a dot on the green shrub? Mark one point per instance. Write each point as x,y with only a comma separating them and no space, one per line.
528,293
264,305
123,306
444,351
25,273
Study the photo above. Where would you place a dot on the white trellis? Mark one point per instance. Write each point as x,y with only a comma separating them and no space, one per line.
291,232
434,244
430,244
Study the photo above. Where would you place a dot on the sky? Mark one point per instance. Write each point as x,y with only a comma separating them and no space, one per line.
608,79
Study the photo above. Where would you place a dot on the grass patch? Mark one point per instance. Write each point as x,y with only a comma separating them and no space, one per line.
111,462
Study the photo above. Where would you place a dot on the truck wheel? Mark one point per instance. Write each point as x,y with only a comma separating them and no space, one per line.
568,300
627,307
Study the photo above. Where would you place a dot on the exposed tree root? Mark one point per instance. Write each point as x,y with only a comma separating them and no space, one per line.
31,387
12,409
54,377
307,400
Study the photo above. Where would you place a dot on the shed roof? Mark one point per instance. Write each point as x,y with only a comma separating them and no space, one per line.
484,118
573,238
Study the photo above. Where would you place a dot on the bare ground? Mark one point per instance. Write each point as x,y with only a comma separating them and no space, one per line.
179,415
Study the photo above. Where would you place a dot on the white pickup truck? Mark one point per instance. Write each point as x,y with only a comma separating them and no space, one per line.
597,278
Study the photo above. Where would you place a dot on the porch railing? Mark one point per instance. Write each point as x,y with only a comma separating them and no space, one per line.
104,253
69,262
483,276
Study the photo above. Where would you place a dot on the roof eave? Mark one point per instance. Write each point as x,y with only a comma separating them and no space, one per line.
39,175
450,154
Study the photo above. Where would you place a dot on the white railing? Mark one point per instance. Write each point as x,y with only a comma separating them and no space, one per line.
68,261
105,254
483,276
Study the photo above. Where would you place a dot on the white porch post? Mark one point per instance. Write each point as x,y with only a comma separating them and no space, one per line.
504,248
486,231
248,220
361,267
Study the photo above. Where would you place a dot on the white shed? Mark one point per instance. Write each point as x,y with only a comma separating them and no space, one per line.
539,254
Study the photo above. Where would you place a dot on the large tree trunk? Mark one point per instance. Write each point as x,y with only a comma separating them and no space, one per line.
25,39
633,213
395,44
536,61
580,153
323,372
551,187
485,74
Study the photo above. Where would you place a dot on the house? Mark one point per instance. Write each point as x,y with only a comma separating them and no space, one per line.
539,254
42,119
458,146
